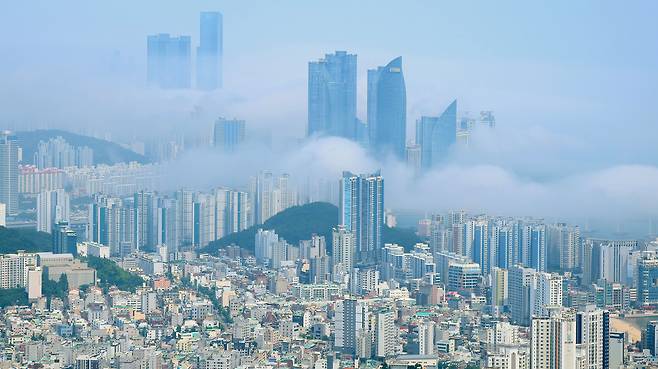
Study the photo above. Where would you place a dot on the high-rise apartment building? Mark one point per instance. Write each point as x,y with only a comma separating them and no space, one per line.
332,96
228,134
205,211
546,294
362,213
169,61
553,341
52,207
209,53
9,172
144,214
591,336
647,274
481,248
436,135
426,338
386,333
387,109
615,261
499,284
57,153
464,277
185,217
533,248
521,282
231,212
344,252
270,195
352,323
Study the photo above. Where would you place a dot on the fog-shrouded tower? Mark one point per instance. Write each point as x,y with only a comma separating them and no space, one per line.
332,96
387,109
210,51
9,172
436,135
169,61
228,134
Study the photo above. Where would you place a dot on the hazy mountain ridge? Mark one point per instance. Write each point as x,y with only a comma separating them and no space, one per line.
105,152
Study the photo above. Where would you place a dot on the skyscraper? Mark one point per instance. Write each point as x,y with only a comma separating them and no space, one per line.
64,239
332,96
270,195
228,133
533,250
436,135
185,217
9,172
647,274
553,341
231,212
209,54
546,293
521,280
144,215
52,207
362,213
386,333
343,252
387,109
590,327
426,338
352,322
481,247
169,61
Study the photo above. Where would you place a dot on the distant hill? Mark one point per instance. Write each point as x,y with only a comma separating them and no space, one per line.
300,222
14,239
105,152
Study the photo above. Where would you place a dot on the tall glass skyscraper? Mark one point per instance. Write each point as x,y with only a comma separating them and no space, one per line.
435,135
169,61
228,133
9,172
362,213
387,109
332,96
210,51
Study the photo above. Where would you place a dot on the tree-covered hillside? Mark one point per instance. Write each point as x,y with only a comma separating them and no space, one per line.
300,222
13,239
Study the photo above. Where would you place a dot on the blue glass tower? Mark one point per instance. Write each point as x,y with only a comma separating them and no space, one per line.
537,247
332,96
210,51
647,277
435,135
481,249
387,109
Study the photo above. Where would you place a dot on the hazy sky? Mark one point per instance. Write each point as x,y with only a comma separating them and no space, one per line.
564,65
573,85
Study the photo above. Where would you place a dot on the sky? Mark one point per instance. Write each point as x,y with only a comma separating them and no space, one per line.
573,86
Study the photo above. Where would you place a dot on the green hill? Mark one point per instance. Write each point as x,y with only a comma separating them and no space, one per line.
105,152
110,274
300,222
13,239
